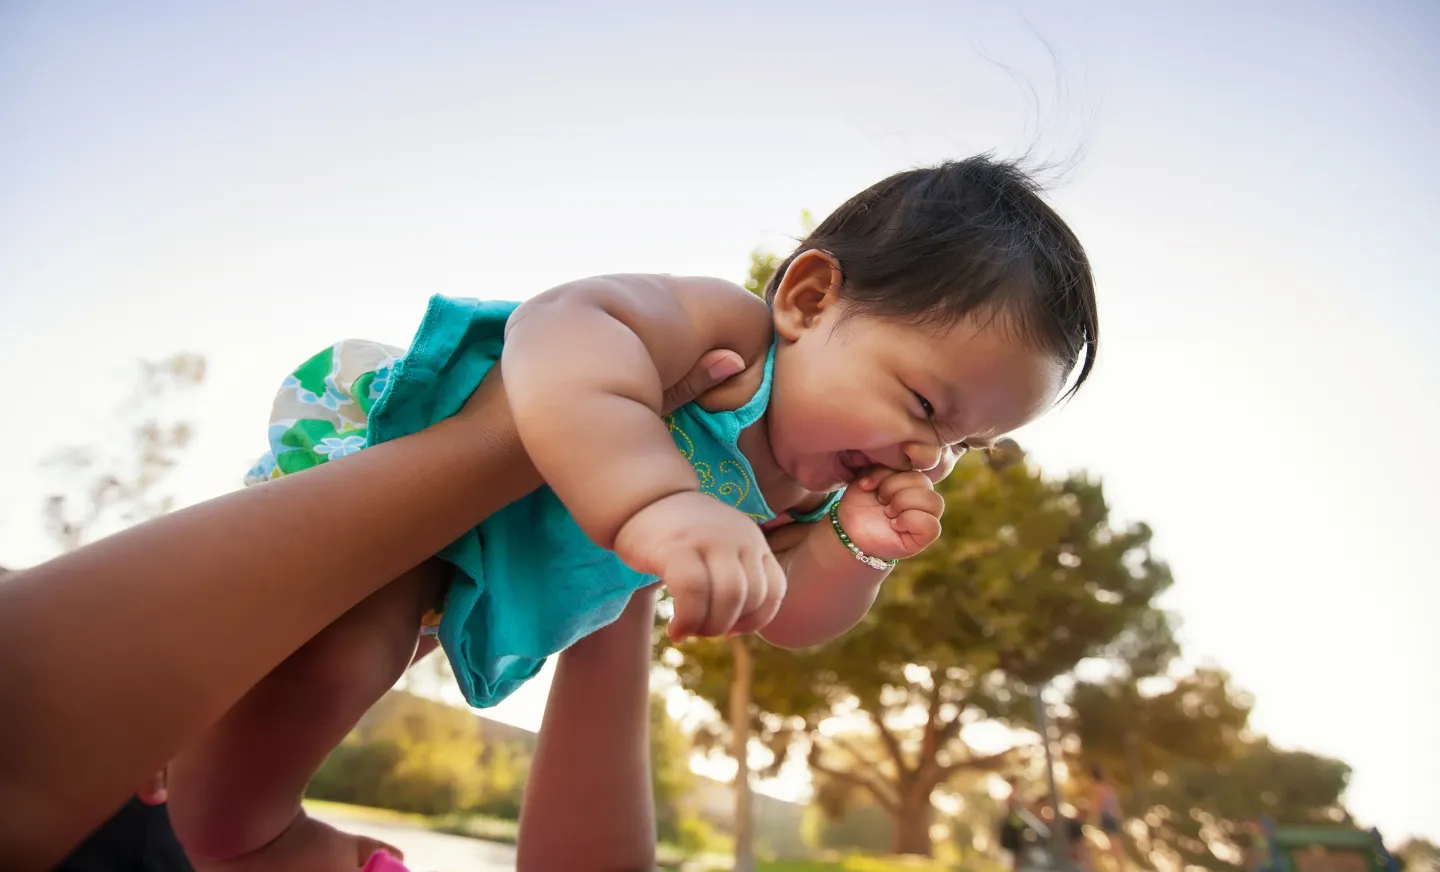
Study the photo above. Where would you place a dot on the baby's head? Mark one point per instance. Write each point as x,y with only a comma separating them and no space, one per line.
932,313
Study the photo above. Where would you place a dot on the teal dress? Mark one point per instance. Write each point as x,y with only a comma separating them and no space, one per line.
528,581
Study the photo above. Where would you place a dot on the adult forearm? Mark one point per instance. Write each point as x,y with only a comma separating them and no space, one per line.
588,802
167,624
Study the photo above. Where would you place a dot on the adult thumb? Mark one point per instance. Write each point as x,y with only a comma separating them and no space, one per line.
711,369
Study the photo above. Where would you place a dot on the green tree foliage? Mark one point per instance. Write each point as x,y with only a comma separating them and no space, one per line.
504,768
1028,578
974,828
1134,730
416,755
1419,855
1178,753
670,771
1199,810
762,266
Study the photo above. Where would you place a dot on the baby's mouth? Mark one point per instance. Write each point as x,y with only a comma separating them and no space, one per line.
854,463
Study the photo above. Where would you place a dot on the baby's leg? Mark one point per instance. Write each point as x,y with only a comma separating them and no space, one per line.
235,795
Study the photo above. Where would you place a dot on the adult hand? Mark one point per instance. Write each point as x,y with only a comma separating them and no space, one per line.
710,370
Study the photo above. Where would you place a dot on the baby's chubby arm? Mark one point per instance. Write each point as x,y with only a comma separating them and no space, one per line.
828,591
887,514
586,366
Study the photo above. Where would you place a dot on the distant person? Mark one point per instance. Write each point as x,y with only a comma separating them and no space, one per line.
1079,845
1105,804
1073,832
1013,825
1257,851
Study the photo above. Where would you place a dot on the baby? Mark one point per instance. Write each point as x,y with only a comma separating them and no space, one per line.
930,314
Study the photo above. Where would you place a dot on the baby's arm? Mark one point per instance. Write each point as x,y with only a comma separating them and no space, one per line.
828,591
885,514
586,365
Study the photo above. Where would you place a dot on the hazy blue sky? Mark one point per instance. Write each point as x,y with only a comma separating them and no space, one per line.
1256,187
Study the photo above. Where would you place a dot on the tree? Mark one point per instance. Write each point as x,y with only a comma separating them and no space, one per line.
1419,855
113,490
417,755
1126,729
1138,723
1028,578
1199,810
739,670
669,769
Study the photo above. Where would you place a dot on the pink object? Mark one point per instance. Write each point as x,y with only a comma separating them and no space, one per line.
383,862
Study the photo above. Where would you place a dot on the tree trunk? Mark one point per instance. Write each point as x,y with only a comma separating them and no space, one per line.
740,680
1139,802
912,826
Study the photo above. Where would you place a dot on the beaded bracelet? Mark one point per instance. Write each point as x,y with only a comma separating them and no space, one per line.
872,562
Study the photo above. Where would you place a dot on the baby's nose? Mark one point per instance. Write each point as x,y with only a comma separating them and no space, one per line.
923,456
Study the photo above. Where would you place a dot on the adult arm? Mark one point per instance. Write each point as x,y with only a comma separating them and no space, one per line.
114,656
588,802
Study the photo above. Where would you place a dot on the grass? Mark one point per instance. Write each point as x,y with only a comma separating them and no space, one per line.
365,813
476,826
854,864
504,831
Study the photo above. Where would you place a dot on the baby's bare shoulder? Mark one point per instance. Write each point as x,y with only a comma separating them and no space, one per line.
705,298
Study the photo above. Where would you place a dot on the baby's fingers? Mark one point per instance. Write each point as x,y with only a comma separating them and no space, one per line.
902,481
766,568
755,585
915,499
923,527
727,593
689,584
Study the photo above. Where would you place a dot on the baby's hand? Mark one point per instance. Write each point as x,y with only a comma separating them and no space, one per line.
713,558
892,515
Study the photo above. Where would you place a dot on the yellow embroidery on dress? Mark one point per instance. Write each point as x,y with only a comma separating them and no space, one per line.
729,488
688,449
725,493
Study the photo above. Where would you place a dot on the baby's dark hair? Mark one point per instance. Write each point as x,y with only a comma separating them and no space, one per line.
938,244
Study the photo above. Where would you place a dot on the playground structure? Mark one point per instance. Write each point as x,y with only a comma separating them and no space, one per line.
1317,848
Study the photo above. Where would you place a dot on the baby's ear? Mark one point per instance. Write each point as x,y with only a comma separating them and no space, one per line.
811,286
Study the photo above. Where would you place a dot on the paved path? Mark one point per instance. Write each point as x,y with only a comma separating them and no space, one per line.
427,851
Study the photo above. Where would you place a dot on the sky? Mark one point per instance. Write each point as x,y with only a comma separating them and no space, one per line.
1255,186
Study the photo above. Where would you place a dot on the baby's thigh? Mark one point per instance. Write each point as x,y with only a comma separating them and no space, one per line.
374,642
